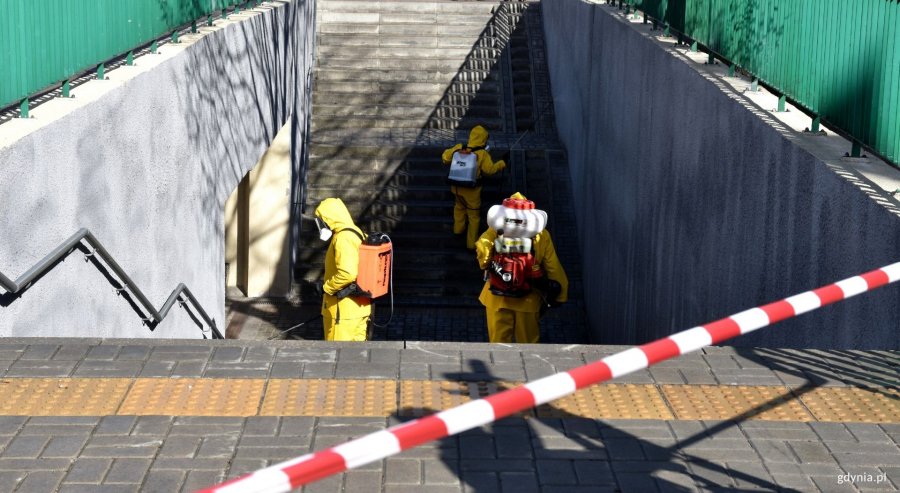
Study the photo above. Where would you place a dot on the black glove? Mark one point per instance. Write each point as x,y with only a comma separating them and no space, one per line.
319,285
352,289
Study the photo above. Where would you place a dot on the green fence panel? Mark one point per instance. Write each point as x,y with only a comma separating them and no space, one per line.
43,42
840,60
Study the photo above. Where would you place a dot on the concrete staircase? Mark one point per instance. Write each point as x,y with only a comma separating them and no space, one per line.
397,82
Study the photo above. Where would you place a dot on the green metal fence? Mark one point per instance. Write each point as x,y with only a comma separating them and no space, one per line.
839,59
44,42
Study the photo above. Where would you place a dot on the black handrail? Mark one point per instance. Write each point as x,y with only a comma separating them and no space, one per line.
156,316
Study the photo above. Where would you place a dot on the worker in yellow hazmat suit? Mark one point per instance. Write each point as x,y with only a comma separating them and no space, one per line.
345,318
509,316
468,198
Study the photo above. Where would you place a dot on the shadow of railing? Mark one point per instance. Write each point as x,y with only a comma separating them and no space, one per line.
516,447
95,249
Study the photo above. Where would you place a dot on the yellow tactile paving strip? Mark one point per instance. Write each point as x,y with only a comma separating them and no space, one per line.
413,398
610,402
715,402
330,398
193,397
61,396
422,397
854,404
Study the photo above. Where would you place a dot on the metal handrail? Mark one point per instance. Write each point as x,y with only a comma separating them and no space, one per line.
156,316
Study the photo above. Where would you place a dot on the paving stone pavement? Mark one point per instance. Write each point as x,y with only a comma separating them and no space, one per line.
125,453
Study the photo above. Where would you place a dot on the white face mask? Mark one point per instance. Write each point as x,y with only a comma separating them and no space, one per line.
324,231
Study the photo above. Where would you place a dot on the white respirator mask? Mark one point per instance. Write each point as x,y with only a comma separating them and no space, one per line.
324,230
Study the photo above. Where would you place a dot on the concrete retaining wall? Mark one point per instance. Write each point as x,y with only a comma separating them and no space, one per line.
148,168
693,208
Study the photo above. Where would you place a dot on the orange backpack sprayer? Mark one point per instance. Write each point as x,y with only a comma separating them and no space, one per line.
375,269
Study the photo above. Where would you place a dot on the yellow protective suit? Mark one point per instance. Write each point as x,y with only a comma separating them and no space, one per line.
345,319
468,200
508,316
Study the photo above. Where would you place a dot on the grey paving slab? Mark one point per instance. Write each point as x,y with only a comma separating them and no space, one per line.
67,446
72,352
40,368
114,447
86,470
128,471
402,471
133,353
318,370
362,481
196,480
157,369
156,426
163,480
108,369
189,368
40,481
99,488
367,370
25,447
286,370
16,464
10,425
11,352
39,352
102,353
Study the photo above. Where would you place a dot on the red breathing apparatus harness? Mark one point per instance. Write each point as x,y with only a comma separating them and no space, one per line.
511,270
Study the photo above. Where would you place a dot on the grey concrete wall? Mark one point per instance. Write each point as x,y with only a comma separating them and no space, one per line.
148,169
692,208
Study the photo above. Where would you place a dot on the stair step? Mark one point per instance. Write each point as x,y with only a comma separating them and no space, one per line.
428,178
450,54
426,24
389,202
389,192
480,7
352,40
393,111
401,64
433,99
374,87
334,123
409,75
324,150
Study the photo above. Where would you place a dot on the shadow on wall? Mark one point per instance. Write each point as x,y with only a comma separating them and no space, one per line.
550,446
241,97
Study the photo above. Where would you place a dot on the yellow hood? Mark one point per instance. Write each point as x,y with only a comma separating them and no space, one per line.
478,136
335,214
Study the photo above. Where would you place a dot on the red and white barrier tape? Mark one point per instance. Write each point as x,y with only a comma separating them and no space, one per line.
376,446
